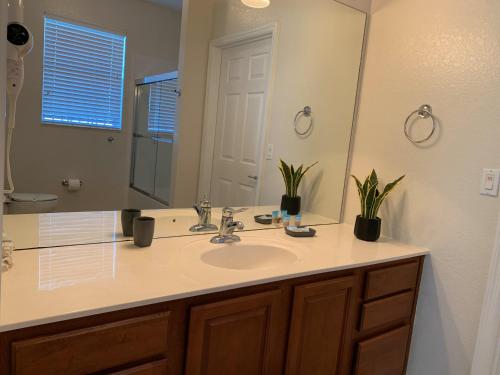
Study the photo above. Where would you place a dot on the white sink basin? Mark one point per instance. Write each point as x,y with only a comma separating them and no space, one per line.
248,256
252,253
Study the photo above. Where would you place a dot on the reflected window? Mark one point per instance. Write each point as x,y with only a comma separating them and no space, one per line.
57,229
163,106
68,266
83,74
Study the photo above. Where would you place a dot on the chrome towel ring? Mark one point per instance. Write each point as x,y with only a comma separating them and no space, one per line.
306,112
424,112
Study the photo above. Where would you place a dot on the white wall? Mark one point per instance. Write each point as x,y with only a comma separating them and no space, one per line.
43,155
444,53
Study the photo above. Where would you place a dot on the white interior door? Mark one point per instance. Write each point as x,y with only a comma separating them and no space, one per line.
239,134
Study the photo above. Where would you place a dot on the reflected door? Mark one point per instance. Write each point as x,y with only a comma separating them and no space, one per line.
239,135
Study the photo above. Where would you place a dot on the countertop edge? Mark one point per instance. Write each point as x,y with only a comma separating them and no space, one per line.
174,297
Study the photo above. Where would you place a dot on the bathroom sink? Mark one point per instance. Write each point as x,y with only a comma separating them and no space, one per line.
243,256
251,253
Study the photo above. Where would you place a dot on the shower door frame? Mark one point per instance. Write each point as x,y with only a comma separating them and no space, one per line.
141,82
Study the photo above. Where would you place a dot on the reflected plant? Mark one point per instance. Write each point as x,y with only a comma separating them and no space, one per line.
293,177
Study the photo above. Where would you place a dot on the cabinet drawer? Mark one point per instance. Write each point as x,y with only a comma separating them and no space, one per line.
92,349
386,310
152,368
391,280
384,354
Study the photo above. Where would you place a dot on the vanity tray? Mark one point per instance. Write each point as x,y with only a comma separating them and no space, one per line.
263,219
311,233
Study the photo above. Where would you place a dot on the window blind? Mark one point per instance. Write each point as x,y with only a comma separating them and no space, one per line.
83,74
163,106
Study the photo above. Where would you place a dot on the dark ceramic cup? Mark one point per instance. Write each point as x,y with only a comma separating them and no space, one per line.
128,216
144,229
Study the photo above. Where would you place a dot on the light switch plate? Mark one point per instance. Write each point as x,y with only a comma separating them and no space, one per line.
269,151
490,182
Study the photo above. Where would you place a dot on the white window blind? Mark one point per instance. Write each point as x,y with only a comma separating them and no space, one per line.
83,73
163,106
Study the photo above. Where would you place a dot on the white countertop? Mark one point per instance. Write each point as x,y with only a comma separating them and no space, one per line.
54,284
31,231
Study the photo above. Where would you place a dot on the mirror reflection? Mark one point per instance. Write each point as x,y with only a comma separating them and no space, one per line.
153,105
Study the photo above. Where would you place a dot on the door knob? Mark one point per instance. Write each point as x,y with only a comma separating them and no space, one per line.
254,177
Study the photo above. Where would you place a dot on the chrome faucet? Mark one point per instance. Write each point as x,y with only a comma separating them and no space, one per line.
228,226
204,211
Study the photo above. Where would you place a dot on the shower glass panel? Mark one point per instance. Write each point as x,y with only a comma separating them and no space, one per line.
154,131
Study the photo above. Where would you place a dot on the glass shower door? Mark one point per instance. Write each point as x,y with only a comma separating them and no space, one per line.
154,131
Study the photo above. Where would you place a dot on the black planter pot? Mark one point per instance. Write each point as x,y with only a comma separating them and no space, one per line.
367,229
290,204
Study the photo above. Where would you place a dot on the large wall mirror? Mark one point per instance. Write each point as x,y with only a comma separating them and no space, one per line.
160,105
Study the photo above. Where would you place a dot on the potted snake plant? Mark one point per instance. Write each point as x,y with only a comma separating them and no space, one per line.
368,224
290,201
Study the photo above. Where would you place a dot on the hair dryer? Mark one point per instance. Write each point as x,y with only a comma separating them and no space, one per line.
19,44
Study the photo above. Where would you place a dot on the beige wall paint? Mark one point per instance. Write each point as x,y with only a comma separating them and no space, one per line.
318,57
44,155
363,5
193,59
444,53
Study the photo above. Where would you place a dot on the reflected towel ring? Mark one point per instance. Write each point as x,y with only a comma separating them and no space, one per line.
424,112
306,112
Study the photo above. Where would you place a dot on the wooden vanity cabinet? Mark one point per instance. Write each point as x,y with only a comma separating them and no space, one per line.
350,322
318,326
238,336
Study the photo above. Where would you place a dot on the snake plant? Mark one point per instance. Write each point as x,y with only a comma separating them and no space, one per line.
371,198
293,177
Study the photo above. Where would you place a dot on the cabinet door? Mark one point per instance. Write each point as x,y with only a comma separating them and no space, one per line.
319,319
244,336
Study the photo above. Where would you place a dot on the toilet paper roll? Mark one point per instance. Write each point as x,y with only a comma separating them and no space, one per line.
74,184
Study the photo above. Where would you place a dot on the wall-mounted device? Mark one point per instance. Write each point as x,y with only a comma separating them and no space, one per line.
19,44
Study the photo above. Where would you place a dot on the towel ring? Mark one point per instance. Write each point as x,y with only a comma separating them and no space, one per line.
424,112
306,112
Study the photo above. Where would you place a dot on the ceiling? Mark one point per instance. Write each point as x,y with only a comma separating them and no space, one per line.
176,4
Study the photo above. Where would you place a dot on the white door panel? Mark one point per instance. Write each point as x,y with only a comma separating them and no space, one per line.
241,112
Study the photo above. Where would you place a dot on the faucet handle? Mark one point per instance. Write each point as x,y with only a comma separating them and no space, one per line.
229,211
202,205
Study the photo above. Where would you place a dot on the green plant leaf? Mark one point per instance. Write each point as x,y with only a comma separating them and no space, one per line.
373,178
302,174
369,201
380,199
293,177
297,178
359,185
287,177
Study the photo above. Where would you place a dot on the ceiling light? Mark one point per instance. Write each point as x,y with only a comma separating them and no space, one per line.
256,3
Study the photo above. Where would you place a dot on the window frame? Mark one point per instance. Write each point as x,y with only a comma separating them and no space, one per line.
123,79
